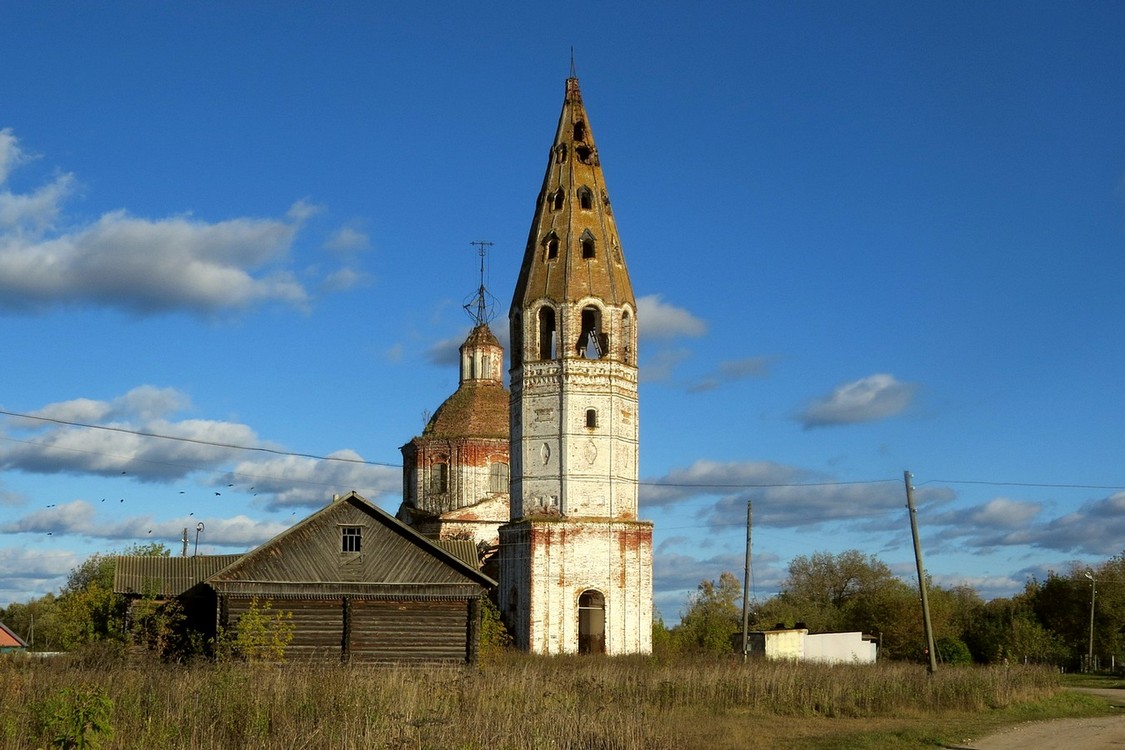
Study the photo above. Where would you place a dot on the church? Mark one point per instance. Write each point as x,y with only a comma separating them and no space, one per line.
544,478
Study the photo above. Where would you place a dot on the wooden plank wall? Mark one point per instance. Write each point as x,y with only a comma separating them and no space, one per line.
363,630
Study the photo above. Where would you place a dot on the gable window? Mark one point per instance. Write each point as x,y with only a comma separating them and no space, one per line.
498,477
351,539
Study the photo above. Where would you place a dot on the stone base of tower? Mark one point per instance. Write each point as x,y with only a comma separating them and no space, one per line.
573,586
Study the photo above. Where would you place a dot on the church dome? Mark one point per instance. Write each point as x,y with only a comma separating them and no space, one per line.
475,410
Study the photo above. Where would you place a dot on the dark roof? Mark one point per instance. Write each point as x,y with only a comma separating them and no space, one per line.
464,550
306,558
475,410
165,576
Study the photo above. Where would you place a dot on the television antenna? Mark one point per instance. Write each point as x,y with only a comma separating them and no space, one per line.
481,306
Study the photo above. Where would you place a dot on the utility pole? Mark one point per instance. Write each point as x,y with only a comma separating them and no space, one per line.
746,587
1093,590
921,574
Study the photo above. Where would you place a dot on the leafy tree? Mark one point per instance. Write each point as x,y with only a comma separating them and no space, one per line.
263,633
713,616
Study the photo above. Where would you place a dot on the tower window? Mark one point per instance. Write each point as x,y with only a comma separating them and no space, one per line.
437,481
585,198
351,539
557,200
552,246
627,338
592,342
591,418
498,477
584,154
560,153
580,131
546,333
588,252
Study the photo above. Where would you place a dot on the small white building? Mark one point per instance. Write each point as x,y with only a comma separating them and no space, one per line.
825,648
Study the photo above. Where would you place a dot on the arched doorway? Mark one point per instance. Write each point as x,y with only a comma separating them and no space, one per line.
591,622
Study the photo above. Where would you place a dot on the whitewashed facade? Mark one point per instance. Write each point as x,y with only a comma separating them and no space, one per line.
575,562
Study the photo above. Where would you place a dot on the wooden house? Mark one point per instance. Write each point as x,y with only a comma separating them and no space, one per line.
360,586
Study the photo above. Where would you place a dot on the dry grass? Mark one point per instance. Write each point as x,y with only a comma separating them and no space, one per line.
516,703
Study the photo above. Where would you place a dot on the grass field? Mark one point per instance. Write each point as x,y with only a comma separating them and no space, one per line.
519,703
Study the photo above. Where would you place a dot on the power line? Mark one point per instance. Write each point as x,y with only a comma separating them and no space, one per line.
197,441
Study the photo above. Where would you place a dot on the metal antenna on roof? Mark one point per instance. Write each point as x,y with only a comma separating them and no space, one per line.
481,306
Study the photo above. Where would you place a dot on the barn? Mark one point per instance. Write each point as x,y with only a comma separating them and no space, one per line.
360,585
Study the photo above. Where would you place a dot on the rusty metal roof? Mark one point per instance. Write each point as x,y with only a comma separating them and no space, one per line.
464,550
165,576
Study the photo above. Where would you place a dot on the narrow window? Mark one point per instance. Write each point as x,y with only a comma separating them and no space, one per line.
546,333
552,246
627,338
585,198
438,481
557,200
498,477
515,330
351,539
584,154
588,247
591,418
580,131
560,153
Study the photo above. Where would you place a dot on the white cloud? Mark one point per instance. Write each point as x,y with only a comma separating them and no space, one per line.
59,448
658,319
81,518
868,399
731,371
300,482
348,239
137,264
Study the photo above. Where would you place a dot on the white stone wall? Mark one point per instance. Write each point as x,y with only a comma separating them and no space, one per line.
566,467
555,561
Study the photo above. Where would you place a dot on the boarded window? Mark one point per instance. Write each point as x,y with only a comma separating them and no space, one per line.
351,539
438,480
498,477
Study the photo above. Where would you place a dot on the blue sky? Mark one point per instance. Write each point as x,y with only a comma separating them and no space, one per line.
865,238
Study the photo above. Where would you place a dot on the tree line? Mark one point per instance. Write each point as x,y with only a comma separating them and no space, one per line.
1049,622
1046,623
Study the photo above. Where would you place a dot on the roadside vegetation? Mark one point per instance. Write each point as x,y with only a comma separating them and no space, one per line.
144,683
509,702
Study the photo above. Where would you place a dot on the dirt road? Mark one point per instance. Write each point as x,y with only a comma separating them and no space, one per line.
1104,733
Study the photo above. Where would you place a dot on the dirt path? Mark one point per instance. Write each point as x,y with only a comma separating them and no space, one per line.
1103,733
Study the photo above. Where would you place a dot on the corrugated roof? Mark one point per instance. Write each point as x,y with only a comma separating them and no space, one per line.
165,576
464,550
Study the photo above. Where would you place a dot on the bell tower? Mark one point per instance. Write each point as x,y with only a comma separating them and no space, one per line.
576,564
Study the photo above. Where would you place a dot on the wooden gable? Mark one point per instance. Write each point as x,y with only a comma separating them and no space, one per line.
314,557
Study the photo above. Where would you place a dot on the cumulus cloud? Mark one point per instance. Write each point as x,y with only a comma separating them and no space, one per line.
299,482
136,264
659,319
81,518
348,239
731,371
868,399
118,448
1094,528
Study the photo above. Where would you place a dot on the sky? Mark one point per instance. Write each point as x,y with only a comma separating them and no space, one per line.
865,238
